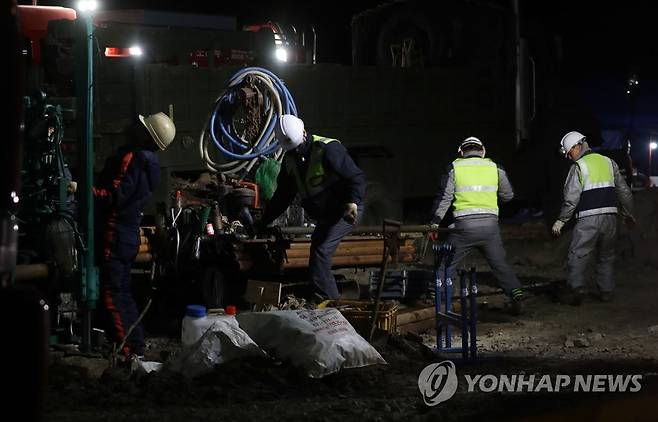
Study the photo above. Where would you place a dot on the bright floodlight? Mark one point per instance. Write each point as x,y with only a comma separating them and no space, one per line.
135,51
281,54
87,5
653,145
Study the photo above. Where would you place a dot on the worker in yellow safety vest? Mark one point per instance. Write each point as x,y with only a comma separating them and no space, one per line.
470,190
594,191
331,187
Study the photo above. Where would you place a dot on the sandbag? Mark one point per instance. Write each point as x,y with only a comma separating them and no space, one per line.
224,341
319,341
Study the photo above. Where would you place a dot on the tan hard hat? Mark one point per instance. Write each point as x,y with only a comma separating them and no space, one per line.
161,128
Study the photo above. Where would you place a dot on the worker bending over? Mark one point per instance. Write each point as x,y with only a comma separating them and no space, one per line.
331,187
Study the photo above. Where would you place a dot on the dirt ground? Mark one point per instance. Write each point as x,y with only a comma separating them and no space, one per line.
551,338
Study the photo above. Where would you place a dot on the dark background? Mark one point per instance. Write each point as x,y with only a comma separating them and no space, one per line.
612,35
603,45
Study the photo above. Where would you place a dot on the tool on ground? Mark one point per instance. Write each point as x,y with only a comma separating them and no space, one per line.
391,243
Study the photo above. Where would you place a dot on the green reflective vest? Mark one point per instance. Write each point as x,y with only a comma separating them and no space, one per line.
316,178
476,186
598,180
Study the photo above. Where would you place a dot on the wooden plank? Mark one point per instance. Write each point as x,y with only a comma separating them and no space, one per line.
348,260
409,315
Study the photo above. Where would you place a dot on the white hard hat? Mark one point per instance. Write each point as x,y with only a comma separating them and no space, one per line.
289,131
471,141
570,140
161,128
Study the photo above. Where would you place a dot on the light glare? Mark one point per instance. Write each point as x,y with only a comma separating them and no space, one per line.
281,54
135,51
87,5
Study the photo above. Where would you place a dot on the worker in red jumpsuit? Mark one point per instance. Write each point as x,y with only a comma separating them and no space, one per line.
125,185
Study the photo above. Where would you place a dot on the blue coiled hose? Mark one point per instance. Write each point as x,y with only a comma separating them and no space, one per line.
240,155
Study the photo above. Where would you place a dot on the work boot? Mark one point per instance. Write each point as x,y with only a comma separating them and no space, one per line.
576,296
516,302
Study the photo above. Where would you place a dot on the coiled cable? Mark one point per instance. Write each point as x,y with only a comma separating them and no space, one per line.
239,154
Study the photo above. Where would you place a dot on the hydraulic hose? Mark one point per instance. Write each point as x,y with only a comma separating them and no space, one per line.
239,154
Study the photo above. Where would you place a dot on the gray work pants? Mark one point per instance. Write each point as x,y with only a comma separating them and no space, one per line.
483,235
324,241
593,235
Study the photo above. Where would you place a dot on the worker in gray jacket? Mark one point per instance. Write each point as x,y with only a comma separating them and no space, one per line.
470,190
594,191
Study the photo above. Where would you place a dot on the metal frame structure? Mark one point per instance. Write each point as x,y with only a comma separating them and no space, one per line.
446,319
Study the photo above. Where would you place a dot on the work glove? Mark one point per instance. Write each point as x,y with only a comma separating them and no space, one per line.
557,227
350,213
630,222
434,234
72,186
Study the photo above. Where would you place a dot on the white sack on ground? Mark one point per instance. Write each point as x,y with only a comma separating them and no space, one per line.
320,341
222,343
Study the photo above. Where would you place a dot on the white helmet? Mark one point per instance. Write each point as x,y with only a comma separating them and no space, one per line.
471,141
289,131
161,128
569,141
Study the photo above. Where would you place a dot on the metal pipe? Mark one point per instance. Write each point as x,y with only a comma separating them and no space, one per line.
390,243
10,152
473,313
518,90
314,44
349,251
367,260
419,228
448,308
437,300
463,290
85,76
352,242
